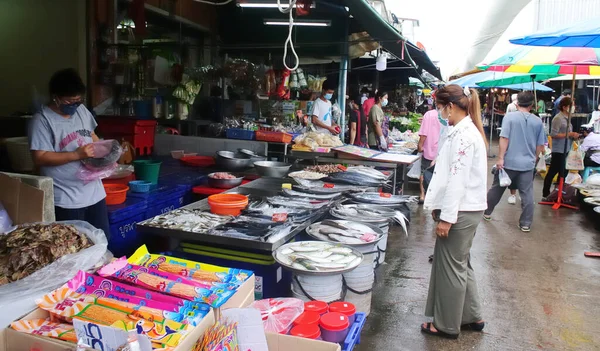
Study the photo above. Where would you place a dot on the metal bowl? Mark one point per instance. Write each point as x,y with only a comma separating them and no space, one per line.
247,152
224,183
231,161
272,168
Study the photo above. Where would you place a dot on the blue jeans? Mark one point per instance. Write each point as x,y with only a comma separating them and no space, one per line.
96,215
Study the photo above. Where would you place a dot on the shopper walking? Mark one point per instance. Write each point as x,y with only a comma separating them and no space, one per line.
522,139
60,137
429,136
561,134
457,197
377,139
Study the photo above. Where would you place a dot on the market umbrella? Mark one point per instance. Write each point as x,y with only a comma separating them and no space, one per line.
474,80
583,34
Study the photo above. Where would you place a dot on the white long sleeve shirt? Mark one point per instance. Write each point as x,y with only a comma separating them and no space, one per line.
459,181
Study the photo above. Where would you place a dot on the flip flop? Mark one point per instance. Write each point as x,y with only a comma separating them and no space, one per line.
438,332
478,327
430,258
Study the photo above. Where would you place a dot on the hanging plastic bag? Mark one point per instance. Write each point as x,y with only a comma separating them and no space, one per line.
541,165
6,224
575,158
278,314
573,178
104,162
415,169
504,178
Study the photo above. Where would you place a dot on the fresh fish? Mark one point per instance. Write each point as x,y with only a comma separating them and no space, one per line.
297,202
326,229
367,171
376,198
340,250
330,265
318,254
353,179
302,247
298,266
286,251
293,193
354,262
347,259
257,206
322,237
337,257
401,219
318,187
345,240
305,263
284,258
298,256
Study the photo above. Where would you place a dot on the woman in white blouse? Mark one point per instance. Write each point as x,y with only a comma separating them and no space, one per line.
457,196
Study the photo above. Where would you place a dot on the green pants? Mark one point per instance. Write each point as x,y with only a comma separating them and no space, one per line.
453,299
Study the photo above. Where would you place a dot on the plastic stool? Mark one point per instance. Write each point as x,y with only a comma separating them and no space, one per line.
588,170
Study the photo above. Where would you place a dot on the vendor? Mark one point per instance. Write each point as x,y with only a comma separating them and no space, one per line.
358,123
60,137
322,118
591,147
377,139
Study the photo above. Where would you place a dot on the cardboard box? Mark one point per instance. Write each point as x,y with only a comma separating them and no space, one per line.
244,295
24,203
11,340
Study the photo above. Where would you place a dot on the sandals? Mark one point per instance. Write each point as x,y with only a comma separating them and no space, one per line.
427,330
478,327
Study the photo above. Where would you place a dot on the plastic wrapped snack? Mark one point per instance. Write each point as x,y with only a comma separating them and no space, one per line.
278,314
197,271
45,327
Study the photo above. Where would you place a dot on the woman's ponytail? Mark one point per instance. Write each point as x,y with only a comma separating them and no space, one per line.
475,112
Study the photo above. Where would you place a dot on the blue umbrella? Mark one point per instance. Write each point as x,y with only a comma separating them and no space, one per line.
584,34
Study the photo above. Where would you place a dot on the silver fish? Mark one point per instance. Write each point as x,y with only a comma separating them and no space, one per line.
345,239
296,257
305,263
337,257
346,259
329,265
340,250
296,194
308,247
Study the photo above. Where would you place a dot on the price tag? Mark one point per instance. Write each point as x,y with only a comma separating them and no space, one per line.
279,217
342,168
328,185
386,195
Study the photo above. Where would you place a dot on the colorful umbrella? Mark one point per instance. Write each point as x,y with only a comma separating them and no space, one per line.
584,34
547,60
482,79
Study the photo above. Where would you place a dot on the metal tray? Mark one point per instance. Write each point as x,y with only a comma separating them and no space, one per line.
317,273
310,231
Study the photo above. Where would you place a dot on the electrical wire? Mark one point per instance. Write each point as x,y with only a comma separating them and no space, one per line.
214,3
289,41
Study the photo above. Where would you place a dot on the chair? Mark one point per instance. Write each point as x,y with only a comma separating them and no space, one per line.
588,170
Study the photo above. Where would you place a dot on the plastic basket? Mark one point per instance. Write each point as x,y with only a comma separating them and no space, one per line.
147,170
353,337
19,154
140,186
116,194
273,137
237,133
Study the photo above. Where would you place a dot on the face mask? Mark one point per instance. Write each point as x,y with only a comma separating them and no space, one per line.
442,120
69,109
364,98
328,96
384,103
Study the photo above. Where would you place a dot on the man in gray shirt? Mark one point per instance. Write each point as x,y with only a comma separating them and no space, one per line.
521,141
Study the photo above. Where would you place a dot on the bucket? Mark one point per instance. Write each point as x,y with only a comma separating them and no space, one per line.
311,287
362,302
359,283
382,244
147,170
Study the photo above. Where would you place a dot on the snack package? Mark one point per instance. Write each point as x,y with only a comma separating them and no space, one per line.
278,314
44,327
215,296
221,336
197,271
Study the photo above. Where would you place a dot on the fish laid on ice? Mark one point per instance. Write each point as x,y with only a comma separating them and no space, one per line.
345,239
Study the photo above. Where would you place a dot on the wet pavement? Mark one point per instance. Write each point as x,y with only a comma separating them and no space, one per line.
538,291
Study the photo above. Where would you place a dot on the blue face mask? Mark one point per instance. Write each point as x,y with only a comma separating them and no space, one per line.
68,109
384,103
328,96
443,121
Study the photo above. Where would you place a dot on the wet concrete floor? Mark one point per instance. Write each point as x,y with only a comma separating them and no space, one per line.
538,291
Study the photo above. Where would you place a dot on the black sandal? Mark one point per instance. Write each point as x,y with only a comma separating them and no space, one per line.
478,327
438,332
430,258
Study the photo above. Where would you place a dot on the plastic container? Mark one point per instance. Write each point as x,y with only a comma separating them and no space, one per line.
238,133
334,327
353,337
227,204
344,308
307,317
308,331
320,307
116,194
177,154
273,137
139,186
198,161
147,170
311,287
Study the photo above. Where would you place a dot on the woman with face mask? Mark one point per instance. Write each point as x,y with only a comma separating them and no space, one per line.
358,124
457,197
377,139
60,137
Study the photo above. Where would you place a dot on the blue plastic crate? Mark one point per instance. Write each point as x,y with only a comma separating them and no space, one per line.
123,239
170,203
157,192
132,206
353,337
237,133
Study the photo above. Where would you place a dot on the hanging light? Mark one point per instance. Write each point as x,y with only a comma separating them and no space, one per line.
381,63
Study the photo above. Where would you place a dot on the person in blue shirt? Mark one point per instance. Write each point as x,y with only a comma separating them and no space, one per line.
565,93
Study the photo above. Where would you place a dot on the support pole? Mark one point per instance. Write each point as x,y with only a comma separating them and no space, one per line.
343,82
492,125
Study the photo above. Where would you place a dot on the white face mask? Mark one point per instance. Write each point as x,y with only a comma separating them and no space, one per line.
363,99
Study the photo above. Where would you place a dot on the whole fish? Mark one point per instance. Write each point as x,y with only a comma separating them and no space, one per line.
347,259
353,179
293,193
340,250
308,247
299,256
305,263
367,171
346,240
297,202
377,198
330,265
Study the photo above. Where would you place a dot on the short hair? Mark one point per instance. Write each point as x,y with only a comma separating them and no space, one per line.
513,97
564,102
566,92
66,82
328,85
525,99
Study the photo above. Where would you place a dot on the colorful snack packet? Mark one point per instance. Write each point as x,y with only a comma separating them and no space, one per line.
197,271
44,327
121,270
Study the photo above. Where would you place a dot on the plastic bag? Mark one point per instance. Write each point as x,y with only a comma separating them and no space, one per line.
104,162
5,221
278,314
504,178
415,169
573,178
575,158
593,180
21,295
541,165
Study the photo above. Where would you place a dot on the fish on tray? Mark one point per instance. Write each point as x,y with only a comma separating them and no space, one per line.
294,193
317,256
368,172
320,187
297,202
345,232
383,199
369,213
353,178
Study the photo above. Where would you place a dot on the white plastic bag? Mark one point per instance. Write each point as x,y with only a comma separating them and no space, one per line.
278,314
575,158
593,180
5,221
21,295
541,165
415,169
573,178
504,178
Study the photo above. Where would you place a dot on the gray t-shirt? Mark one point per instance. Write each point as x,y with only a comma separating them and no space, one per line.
50,131
525,132
559,126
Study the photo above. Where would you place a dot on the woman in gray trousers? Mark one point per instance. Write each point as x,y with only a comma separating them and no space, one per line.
457,197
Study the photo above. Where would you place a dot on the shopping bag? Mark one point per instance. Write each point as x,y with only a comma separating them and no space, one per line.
575,158
573,178
541,165
504,178
415,170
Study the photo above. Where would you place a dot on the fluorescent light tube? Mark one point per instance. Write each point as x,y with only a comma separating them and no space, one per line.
298,23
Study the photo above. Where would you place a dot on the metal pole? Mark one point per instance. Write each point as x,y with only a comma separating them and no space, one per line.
343,82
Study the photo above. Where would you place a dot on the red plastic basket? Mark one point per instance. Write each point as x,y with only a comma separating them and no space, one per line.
116,194
198,161
273,137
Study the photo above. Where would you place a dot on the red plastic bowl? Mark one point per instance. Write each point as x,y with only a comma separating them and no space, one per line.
198,161
227,204
116,194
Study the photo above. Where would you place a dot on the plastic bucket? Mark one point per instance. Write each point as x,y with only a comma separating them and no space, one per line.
147,170
323,288
382,244
359,283
362,302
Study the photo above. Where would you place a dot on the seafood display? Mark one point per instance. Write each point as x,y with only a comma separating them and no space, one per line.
326,169
305,203
307,175
294,193
383,199
369,214
354,178
321,187
368,172
222,175
344,232
318,257
32,247
251,227
195,221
